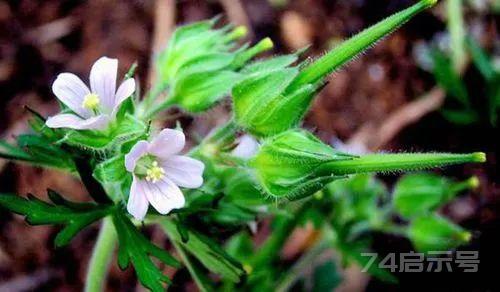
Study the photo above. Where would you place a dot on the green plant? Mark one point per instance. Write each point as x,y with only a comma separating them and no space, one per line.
106,136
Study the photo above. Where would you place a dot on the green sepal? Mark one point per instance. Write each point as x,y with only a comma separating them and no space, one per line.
196,92
435,233
421,193
111,170
287,164
126,129
271,64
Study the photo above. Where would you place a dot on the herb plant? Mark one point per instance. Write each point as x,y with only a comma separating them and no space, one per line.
259,164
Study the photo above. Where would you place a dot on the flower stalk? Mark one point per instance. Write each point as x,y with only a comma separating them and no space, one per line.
97,270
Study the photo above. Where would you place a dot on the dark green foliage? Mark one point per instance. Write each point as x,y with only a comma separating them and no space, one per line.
136,249
75,216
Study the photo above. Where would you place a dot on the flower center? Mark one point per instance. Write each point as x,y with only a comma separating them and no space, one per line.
147,168
91,101
154,173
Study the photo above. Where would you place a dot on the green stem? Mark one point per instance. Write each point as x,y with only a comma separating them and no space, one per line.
190,267
270,249
101,257
306,261
150,113
345,52
469,184
457,33
399,162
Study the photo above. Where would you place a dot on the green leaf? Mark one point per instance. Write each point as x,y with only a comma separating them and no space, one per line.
481,59
8,151
136,249
208,252
36,150
37,123
199,274
75,216
460,117
45,152
448,78
326,277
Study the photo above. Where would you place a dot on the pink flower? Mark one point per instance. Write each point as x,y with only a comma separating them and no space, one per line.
93,108
158,172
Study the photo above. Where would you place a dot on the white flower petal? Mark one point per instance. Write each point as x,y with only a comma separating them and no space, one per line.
103,81
137,204
74,122
164,195
247,147
135,154
184,171
167,143
71,91
125,90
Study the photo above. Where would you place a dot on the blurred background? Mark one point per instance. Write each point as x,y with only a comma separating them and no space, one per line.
388,99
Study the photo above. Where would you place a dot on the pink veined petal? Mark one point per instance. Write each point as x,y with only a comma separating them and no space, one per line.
246,148
137,204
103,81
164,195
71,121
125,90
167,143
71,90
184,171
135,154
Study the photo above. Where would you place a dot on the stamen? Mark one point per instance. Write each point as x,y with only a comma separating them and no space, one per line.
91,101
154,173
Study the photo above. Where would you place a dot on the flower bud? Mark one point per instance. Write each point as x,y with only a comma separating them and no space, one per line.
276,99
435,233
200,66
287,164
418,194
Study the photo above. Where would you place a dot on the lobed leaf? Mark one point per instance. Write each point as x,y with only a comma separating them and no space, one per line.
136,249
75,216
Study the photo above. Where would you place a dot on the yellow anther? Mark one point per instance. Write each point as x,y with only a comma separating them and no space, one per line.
91,101
154,173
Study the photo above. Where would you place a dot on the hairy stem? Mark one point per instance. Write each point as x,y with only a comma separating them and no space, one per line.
101,257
